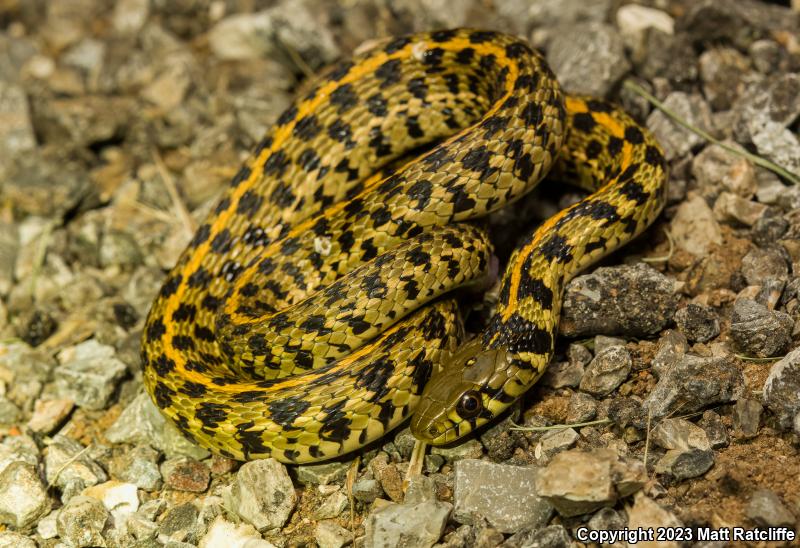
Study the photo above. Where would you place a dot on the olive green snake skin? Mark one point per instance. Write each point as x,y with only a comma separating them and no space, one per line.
312,311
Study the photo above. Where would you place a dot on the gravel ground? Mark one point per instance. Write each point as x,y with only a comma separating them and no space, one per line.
121,120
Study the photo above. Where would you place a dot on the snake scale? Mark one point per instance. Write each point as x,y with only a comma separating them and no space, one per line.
311,312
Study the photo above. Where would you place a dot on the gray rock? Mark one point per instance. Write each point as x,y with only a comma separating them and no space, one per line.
434,463
180,523
588,58
769,104
715,430
142,423
415,525
16,129
503,495
765,55
760,265
626,412
20,448
554,442
609,369
716,169
666,55
420,489
634,21
577,482
262,494
81,522
89,374
563,375
552,536
767,510
635,301
769,228
603,342
499,440
685,464
23,498
688,450
723,71
746,417
693,383
782,389
138,466
671,347
10,414
698,322
680,434
329,534
759,331
366,490
468,449
675,140
732,209
69,467
738,21
322,474
606,519
551,13
268,33
582,407
332,506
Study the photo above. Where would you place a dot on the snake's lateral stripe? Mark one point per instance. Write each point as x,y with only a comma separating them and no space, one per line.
296,324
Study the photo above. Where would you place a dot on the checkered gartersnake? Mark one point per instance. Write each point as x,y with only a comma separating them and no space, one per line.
307,315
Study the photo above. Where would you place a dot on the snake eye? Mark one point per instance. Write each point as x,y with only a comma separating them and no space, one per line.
469,405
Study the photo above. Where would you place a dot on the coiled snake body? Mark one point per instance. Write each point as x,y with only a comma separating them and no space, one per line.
306,316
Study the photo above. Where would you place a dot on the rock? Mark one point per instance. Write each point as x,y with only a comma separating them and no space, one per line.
588,58
694,228
723,71
9,539
503,495
634,20
768,228
770,104
688,450
647,513
141,422
68,466
468,449
16,129
625,412
606,519
767,510
186,474
89,374
782,389
499,440
49,414
552,13
716,433
225,533
582,407
552,536
737,21
130,16
692,383
746,417
322,474
759,331
760,265
666,55
180,523
675,140
388,475
268,33
717,169
554,442
609,369
563,375
733,209
119,498
635,301
81,522
23,498
329,534
420,489
138,466
419,525
262,494
698,322
20,448
366,490
577,482
331,507
671,347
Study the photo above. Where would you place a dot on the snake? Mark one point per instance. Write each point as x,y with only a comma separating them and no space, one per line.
317,306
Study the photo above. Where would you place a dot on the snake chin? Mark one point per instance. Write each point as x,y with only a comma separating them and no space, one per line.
455,400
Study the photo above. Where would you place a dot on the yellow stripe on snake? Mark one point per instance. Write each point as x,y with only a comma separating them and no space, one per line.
312,311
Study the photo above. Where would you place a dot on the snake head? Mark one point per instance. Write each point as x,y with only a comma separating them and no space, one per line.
461,397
